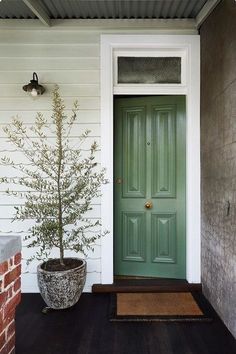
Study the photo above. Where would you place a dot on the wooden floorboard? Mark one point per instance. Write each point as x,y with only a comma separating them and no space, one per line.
86,329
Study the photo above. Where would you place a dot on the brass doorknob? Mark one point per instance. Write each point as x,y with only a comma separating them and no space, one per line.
148,205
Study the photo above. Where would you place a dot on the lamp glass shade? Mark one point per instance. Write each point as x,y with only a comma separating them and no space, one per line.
33,87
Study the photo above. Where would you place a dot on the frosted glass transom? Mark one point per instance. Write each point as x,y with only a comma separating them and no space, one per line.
149,70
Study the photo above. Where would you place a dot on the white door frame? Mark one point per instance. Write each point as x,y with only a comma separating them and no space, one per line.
190,46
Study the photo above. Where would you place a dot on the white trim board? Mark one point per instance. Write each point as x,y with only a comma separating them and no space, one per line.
191,45
206,11
176,26
35,7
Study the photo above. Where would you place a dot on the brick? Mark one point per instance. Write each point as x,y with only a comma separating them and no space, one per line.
5,321
3,297
1,320
11,305
10,292
11,329
11,343
9,347
17,258
2,340
17,284
3,267
11,261
12,275
2,326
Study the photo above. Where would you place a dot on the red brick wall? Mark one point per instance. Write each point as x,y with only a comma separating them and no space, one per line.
10,295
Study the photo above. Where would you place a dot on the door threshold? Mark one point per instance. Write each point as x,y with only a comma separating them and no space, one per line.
131,277
133,285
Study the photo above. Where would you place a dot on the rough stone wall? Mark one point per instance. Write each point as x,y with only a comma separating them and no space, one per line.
218,160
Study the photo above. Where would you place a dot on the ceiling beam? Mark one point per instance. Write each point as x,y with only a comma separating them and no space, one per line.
35,7
175,26
205,11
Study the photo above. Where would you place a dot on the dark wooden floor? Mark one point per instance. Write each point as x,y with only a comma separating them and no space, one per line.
86,329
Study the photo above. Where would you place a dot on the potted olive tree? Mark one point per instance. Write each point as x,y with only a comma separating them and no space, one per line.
60,182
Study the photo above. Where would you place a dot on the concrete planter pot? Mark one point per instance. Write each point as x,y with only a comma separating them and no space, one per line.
61,289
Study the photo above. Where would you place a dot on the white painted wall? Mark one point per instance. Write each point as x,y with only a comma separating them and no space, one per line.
67,55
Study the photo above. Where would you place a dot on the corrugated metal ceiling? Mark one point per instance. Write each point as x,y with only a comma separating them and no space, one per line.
14,9
104,9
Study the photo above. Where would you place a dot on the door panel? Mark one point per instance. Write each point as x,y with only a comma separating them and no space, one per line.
150,167
134,145
164,238
133,237
163,152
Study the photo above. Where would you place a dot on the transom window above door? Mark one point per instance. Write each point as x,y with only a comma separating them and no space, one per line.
149,70
136,69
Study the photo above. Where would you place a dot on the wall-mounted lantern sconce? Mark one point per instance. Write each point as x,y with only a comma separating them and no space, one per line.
33,87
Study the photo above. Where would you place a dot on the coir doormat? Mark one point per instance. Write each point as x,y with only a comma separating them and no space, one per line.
157,307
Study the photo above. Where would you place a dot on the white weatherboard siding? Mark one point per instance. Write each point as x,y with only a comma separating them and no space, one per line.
71,60
63,55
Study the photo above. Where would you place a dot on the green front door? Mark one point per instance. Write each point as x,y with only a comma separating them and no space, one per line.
150,186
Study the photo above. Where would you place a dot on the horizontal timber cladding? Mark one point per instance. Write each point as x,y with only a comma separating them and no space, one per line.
67,90
50,50
68,76
50,37
84,116
71,60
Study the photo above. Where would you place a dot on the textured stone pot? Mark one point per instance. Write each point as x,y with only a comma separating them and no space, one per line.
61,289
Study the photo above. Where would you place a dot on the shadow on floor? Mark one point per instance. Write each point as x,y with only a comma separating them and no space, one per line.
86,329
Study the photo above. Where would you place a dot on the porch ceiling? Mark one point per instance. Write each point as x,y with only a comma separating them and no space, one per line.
169,11
102,9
